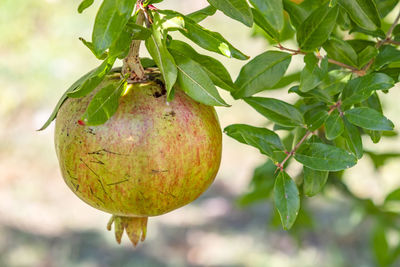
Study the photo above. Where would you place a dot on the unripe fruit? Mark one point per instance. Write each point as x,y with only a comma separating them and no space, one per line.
149,158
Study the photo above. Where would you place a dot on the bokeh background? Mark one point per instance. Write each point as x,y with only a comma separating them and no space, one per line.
42,223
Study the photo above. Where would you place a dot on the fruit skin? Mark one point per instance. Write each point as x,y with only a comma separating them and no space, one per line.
151,157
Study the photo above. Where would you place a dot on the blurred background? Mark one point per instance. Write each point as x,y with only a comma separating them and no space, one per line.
42,223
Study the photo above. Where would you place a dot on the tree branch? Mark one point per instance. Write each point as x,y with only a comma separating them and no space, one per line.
281,165
298,51
131,64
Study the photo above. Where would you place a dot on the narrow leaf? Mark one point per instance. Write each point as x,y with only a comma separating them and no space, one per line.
201,14
322,157
91,48
64,97
263,23
215,70
296,13
262,73
104,104
156,45
85,4
287,199
363,13
315,30
360,89
314,181
272,11
237,9
110,20
93,79
195,82
265,140
276,110
206,39
369,119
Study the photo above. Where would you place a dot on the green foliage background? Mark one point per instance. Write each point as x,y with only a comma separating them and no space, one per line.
41,55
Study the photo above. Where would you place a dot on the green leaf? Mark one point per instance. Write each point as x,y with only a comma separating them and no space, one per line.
315,118
156,45
237,9
287,80
195,82
287,199
85,4
312,75
386,6
63,98
110,20
206,39
334,126
394,195
322,157
262,73
272,11
297,13
93,79
315,30
366,55
201,14
369,119
359,89
360,44
314,181
215,70
147,62
104,104
262,22
276,110
379,33
363,13
387,54
341,51
353,138
131,31
265,140
374,102
91,48
380,245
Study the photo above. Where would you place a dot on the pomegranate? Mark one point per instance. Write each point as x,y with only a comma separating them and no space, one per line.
151,157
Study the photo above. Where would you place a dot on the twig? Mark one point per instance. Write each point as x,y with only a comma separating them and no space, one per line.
343,65
390,31
382,42
393,42
281,165
291,153
298,51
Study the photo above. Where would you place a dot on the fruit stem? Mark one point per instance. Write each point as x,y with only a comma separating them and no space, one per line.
131,64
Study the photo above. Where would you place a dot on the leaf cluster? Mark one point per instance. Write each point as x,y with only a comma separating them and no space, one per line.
351,57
